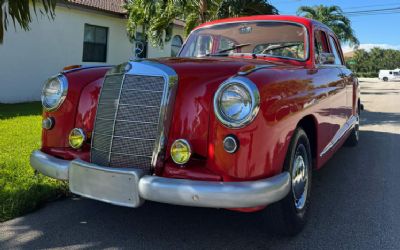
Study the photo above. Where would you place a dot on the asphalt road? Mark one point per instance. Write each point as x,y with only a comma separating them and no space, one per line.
355,204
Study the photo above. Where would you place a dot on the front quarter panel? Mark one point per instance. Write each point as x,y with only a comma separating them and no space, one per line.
65,116
287,95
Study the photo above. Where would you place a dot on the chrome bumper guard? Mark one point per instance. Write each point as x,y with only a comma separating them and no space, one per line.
167,190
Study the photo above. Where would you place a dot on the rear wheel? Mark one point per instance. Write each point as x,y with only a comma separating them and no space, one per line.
290,214
385,79
354,137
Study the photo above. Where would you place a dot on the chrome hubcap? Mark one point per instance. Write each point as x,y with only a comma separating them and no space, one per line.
300,182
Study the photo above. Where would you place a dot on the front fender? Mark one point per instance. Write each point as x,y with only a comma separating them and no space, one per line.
66,117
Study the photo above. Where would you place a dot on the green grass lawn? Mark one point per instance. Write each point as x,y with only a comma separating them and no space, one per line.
21,190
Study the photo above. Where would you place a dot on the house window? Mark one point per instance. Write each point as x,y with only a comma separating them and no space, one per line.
176,45
95,44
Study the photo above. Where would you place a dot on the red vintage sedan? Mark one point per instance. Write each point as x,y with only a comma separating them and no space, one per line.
239,120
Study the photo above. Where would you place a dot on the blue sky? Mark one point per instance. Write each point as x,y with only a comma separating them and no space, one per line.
372,30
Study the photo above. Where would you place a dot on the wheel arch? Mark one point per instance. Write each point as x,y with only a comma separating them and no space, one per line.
309,125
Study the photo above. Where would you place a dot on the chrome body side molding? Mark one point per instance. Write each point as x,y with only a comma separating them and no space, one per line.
340,133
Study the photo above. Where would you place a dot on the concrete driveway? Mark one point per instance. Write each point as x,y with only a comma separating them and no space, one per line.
355,204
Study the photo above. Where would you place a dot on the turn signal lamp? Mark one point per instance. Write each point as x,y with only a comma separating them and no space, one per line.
181,151
70,67
76,138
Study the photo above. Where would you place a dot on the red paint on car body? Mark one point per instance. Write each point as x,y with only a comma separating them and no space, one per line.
290,91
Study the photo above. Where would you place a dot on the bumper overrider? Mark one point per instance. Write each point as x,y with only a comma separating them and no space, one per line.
130,187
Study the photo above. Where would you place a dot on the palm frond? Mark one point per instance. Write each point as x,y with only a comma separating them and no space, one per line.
20,13
334,18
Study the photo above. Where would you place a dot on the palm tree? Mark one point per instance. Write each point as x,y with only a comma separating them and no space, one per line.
237,8
156,16
334,18
200,11
19,12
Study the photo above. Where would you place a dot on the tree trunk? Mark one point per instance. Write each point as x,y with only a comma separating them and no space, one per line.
203,10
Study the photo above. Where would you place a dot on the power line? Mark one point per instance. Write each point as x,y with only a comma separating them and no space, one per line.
376,14
372,5
371,11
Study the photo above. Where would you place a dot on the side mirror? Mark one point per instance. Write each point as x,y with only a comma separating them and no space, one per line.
326,58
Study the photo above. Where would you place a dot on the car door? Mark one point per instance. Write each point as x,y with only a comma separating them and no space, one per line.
328,81
342,103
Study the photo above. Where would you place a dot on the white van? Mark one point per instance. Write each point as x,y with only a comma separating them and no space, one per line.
389,75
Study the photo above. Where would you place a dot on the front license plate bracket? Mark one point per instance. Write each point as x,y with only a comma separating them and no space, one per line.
111,185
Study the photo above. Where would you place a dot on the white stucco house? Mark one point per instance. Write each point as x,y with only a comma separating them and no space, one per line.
84,32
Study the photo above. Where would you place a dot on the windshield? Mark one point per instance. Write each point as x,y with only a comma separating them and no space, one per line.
274,39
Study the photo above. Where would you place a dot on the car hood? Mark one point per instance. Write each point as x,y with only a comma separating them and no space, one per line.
210,67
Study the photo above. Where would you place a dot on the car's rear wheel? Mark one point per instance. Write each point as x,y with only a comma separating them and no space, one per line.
354,137
385,79
289,216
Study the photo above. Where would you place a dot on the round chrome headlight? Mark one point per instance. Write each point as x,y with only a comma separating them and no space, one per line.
236,102
54,92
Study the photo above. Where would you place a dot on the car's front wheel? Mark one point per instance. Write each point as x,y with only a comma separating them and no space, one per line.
290,214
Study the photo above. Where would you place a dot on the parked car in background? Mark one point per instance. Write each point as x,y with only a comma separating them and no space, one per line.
239,120
389,75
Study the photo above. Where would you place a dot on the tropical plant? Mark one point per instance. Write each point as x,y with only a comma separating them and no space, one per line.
156,17
368,64
334,18
237,8
19,13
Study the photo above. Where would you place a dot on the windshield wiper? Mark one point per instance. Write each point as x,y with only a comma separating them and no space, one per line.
275,47
223,52
254,56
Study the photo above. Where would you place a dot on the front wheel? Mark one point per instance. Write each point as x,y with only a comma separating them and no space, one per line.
290,214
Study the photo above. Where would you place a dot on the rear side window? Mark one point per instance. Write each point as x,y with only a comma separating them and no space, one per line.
335,51
321,44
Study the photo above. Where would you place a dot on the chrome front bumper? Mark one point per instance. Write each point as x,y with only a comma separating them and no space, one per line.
168,190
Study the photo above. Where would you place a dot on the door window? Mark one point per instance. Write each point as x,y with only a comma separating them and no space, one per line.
321,44
335,51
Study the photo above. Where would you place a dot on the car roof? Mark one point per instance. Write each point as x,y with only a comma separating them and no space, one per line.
295,19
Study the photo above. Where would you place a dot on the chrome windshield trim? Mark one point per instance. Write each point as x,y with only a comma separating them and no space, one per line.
353,120
307,35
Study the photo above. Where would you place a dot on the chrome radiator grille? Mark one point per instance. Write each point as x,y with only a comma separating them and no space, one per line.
127,121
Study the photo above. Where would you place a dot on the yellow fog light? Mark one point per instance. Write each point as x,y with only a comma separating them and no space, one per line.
76,138
181,151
